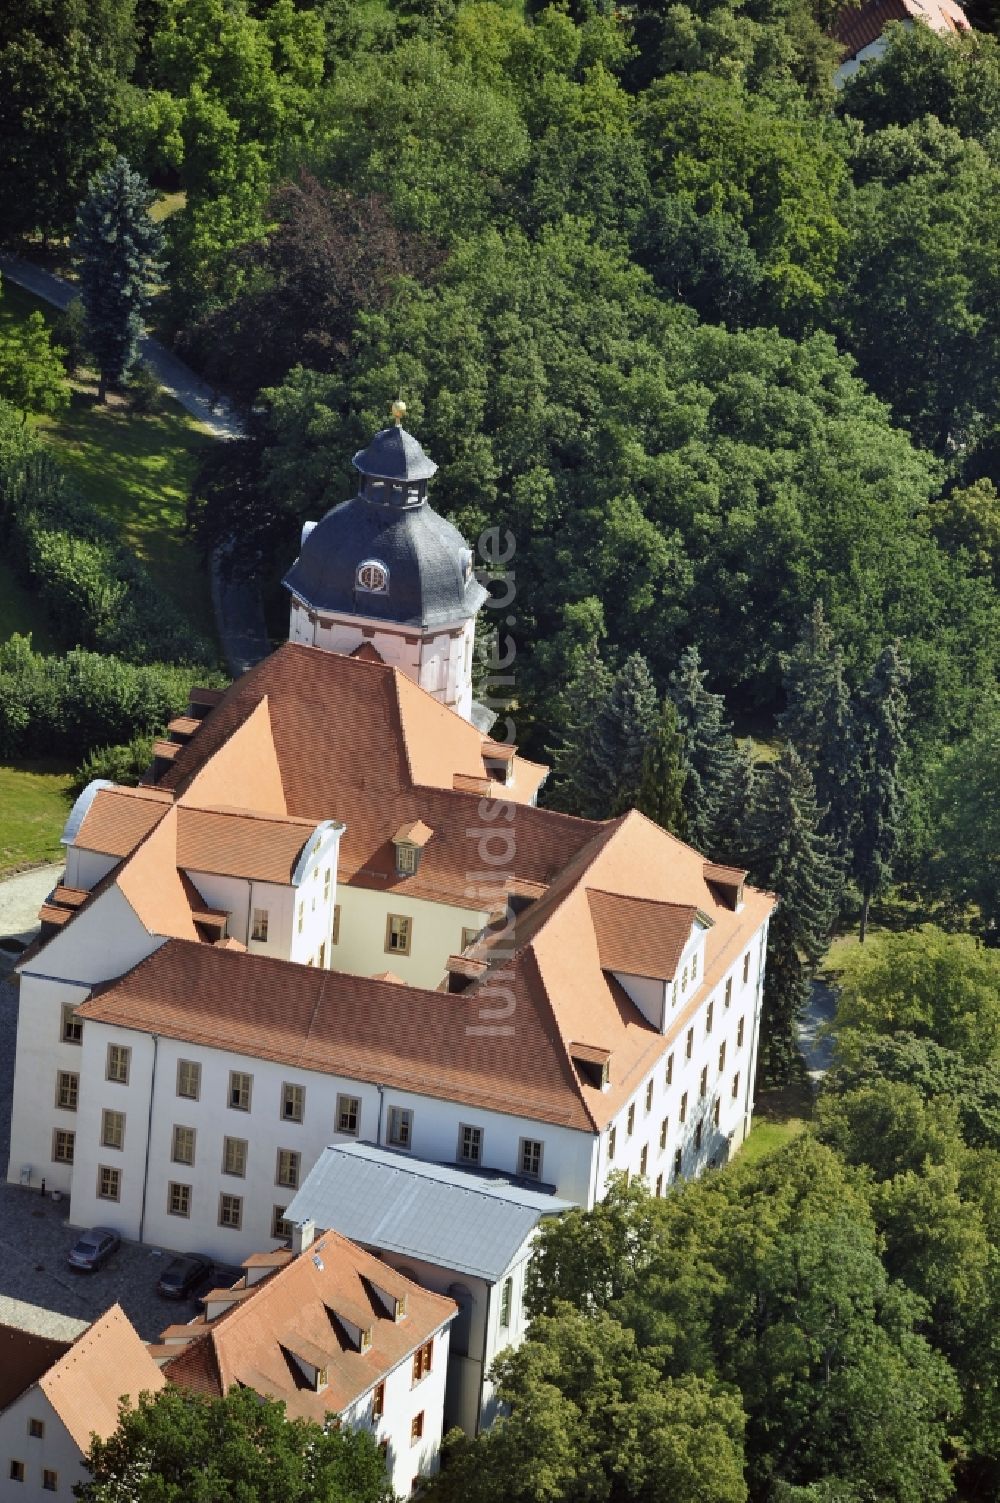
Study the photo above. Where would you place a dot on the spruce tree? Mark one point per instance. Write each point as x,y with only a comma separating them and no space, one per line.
118,245
599,767
661,788
791,858
819,718
711,766
883,716
571,789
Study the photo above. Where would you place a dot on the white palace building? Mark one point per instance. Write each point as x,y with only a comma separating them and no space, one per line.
334,914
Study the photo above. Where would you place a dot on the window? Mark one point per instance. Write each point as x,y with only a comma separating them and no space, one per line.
697,1135
612,1140
17,1471
689,1044
659,1185
746,968
67,1090
299,912
644,1158
722,1057
62,1146
649,1097
422,1359
416,1428
231,1211
178,1200
112,1129
287,1172
293,1102
664,1132
234,1156
506,1297
50,1481
109,1183
717,1110
530,1157
321,957
378,1401
188,1079
739,1033
694,965
670,1070
630,1121
348,1114
469,937
327,879
335,936
470,1144
729,991
36,1429
677,1164
673,999
684,980
682,1114
398,932
239,1090
709,1016
736,1085
373,577
703,1083
406,859
281,1229
259,929
72,1026
182,1146
119,1059
400,1127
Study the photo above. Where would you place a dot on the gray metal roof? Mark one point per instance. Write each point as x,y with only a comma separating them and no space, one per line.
394,454
455,1218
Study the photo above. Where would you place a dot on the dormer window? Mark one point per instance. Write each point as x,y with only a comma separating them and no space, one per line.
321,1379
365,1339
409,841
407,859
373,577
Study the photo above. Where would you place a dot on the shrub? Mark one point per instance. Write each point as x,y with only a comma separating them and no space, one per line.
144,389
119,764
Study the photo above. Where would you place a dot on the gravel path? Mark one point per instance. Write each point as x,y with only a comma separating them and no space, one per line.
817,1048
20,899
239,614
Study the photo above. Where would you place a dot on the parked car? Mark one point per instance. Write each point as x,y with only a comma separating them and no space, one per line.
182,1276
92,1249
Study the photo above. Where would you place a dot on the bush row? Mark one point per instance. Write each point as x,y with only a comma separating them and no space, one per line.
94,590
71,705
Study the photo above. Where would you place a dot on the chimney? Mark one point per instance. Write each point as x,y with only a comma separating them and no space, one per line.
303,1236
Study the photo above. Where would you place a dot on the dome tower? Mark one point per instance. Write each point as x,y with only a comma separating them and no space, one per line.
386,570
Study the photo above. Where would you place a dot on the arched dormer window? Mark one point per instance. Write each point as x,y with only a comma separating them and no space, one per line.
373,577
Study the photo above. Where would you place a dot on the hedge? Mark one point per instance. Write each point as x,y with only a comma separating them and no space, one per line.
96,593
72,705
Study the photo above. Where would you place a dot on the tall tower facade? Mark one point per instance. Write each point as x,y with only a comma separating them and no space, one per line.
383,569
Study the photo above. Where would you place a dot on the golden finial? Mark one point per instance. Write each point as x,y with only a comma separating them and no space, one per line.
398,411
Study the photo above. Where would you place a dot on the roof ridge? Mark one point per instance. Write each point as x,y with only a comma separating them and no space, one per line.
567,1061
423,1169
632,897
234,811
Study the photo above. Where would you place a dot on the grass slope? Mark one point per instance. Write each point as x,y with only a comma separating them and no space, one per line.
34,804
137,468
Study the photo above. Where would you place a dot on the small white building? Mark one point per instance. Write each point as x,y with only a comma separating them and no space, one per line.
862,35
333,1333
467,1235
55,1393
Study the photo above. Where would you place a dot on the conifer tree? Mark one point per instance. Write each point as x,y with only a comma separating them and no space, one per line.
711,768
661,788
571,789
599,767
118,246
791,858
883,715
819,719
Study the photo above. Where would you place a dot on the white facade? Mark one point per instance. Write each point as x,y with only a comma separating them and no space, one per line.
54,1452
439,658
436,931
152,1108
406,1407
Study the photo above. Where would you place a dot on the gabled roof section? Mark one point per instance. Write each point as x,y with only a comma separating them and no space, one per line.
243,761
639,936
24,1357
240,843
299,1310
152,885
455,1218
856,29
116,819
103,1366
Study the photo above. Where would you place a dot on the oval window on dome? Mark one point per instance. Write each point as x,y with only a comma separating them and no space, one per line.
373,576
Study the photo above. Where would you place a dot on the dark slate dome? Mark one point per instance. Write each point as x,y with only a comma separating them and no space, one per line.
386,554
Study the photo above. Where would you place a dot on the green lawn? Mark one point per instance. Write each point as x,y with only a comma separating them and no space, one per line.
34,803
766,1137
137,468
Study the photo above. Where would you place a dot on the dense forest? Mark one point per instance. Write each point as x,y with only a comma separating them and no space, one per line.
719,347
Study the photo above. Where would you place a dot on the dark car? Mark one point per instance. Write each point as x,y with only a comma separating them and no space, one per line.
182,1276
92,1249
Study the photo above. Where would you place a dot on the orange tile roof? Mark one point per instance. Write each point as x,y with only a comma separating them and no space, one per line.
242,762
24,1356
300,1310
240,843
118,818
856,29
153,886
639,936
104,1365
